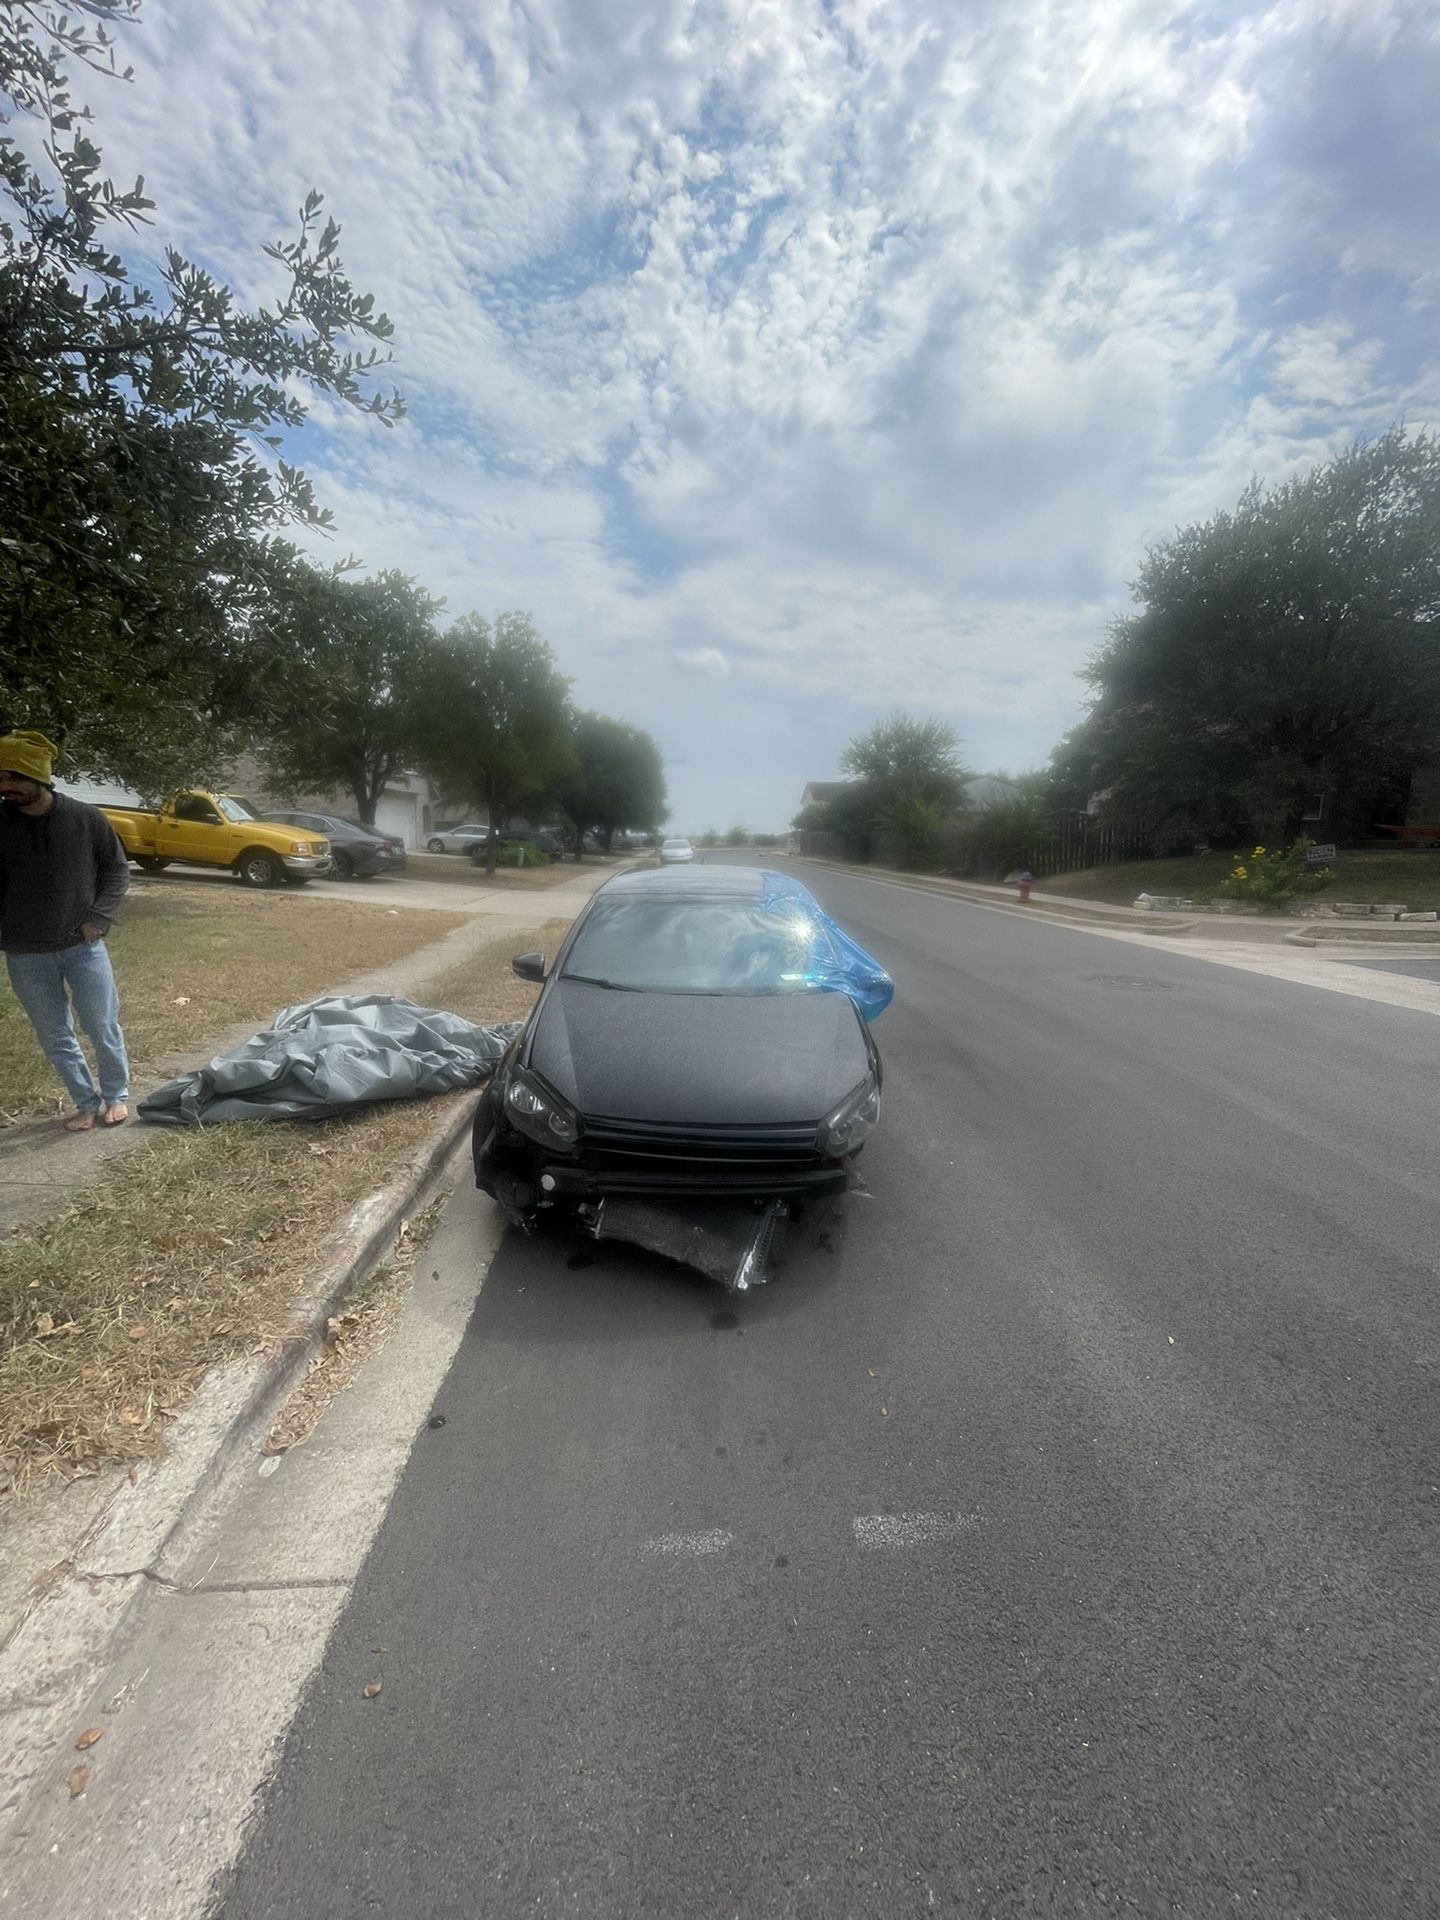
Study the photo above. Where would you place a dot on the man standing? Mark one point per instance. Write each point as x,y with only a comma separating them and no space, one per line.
63,874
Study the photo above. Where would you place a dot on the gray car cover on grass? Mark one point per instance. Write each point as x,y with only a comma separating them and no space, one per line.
328,1056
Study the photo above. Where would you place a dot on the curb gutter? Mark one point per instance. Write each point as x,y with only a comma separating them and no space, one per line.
56,1656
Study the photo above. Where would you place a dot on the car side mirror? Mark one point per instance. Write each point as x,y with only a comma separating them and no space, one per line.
528,966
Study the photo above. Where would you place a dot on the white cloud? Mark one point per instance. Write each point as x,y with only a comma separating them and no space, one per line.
709,662
775,347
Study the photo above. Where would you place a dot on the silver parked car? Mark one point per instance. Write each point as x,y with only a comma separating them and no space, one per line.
675,853
457,839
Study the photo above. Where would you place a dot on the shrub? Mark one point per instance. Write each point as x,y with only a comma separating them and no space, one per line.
919,826
1274,879
534,856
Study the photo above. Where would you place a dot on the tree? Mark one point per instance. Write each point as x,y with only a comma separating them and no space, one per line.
900,765
738,837
616,779
355,716
904,755
919,826
1005,831
498,717
142,490
1283,650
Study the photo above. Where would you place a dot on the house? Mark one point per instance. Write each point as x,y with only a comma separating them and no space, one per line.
406,809
819,793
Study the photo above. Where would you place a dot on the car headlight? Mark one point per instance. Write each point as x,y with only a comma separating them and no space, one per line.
537,1112
850,1123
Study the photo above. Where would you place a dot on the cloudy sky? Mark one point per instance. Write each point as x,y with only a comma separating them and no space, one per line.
791,360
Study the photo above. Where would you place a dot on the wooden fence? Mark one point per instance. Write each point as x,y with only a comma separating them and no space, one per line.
1074,842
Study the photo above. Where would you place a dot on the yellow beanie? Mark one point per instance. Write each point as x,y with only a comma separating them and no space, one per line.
28,753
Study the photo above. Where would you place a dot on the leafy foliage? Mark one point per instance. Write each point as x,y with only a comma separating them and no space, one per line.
143,490
521,853
1004,833
616,779
1285,649
354,716
1274,879
902,769
498,730
919,826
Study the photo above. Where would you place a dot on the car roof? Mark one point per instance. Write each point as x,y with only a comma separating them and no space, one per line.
709,883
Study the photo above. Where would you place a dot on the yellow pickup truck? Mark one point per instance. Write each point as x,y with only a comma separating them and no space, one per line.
216,830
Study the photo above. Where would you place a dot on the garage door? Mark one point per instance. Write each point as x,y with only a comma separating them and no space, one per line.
396,814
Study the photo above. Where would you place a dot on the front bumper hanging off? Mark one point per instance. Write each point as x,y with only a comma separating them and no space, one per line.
731,1241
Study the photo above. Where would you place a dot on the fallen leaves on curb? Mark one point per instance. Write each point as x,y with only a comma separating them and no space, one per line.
76,1781
88,1738
371,1688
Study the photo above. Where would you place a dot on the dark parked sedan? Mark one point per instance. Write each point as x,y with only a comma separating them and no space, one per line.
699,1036
357,852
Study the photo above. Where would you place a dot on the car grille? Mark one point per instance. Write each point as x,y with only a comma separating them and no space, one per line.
626,1145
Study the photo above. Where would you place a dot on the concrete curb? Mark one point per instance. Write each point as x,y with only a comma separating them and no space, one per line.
56,1655
1347,946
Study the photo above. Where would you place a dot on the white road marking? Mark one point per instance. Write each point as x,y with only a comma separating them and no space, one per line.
873,1530
683,1545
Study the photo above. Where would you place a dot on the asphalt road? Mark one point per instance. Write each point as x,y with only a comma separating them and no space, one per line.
1061,1541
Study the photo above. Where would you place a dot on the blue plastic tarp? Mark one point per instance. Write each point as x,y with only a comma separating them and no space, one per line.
838,963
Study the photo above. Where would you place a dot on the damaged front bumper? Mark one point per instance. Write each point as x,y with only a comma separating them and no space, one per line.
727,1219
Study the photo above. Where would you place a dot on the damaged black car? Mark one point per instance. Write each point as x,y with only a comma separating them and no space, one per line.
698,1067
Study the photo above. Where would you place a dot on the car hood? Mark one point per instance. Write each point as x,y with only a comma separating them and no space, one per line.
702,1059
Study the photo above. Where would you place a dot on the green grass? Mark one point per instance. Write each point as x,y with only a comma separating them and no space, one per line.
1371,877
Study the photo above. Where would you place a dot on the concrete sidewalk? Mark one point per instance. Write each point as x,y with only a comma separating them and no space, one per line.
42,1167
1245,929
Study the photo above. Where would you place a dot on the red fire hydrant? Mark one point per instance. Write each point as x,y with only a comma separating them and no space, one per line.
1024,881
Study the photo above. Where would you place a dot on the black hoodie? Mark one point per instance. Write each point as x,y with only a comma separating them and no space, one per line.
58,870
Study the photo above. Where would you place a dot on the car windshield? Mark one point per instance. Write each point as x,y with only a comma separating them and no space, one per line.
235,810
677,846
698,946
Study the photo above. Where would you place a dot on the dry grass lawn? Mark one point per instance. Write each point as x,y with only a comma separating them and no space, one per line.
190,1250
193,960
457,867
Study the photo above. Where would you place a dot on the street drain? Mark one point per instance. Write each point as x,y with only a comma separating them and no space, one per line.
1129,982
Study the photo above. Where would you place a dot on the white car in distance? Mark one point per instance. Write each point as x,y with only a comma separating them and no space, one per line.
457,839
674,853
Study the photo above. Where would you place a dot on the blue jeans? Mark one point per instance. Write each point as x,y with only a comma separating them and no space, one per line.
48,985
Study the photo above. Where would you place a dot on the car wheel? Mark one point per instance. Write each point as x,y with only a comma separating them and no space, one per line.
257,868
435,846
342,867
151,863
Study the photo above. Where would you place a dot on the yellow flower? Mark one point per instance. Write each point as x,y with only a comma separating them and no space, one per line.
1239,874
1258,853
